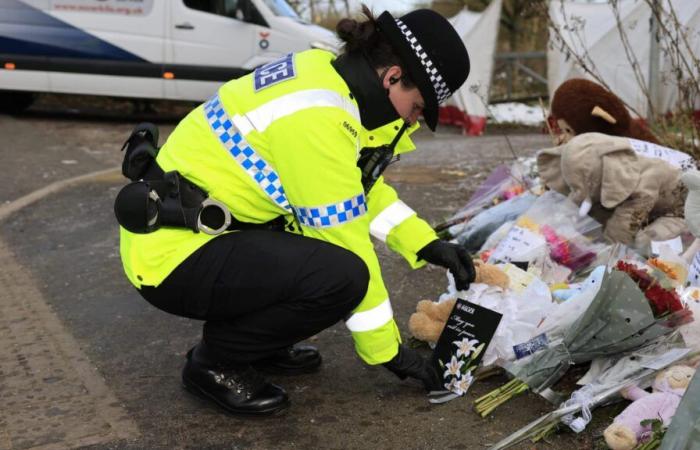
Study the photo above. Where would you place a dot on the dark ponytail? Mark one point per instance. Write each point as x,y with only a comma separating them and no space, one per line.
365,38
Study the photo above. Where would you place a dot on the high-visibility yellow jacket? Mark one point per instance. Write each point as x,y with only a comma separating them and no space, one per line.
285,140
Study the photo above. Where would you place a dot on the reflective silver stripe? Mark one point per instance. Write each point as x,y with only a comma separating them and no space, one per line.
390,217
370,319
264,115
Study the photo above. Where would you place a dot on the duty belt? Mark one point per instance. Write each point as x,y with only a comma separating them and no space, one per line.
156,198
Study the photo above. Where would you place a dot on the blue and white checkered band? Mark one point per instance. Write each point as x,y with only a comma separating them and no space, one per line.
259,170
331,215
442,92
274,72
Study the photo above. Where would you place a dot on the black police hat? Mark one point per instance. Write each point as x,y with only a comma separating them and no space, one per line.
432,52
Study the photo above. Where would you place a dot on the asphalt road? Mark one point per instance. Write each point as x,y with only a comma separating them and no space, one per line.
85,362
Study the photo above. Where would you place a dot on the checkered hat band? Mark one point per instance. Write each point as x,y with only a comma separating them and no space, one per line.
442,92
253,164
334,214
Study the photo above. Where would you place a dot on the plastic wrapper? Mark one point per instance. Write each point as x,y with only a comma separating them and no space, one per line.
522,311
630,309
503,184
553,238
476,231
602,387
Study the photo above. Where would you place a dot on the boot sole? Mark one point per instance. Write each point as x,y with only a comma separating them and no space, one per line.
199,392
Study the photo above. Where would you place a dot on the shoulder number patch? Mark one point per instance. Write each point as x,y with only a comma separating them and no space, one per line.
274,72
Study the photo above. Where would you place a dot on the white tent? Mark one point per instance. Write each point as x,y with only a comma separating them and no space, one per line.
592,28
467,106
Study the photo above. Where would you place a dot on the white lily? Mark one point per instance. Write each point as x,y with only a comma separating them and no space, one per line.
453,367
461,386
465,346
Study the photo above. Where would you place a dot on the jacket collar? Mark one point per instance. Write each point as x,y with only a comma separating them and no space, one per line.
375,107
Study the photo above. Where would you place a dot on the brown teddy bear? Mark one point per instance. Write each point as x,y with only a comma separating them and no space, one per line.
582,106
430,317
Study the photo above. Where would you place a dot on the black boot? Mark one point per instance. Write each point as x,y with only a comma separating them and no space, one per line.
291,361
240,390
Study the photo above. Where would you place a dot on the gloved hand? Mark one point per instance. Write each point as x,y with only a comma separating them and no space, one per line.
408,363
453,257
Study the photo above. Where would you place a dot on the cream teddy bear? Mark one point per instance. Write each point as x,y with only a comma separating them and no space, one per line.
430,317
626,431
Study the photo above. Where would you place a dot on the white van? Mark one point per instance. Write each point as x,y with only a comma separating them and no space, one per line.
151,49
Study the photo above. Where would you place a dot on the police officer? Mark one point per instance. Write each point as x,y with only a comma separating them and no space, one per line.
281,146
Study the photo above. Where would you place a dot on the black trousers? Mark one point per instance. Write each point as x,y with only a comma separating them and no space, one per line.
260,291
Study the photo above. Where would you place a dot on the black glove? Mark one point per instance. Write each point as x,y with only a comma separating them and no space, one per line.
408,363
453,257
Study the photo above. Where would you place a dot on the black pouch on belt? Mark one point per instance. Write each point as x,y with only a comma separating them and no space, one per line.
155,198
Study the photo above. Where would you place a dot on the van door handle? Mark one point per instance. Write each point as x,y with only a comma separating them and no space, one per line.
184,26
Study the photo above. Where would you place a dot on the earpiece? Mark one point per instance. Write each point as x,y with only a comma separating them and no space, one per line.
393,80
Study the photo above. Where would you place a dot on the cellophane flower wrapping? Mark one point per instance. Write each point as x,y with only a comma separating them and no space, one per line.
506,182
552,238
521,312
475,232
619,319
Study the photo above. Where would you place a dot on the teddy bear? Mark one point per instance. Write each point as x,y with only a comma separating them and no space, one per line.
626,431
582,106
427,322
637,199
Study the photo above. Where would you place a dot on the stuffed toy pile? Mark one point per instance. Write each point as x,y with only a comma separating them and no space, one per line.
637,199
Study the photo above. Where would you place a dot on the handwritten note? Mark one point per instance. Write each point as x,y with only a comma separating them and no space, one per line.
674,157
676,246
694,271
520,244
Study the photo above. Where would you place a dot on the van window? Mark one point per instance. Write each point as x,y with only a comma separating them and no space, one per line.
281,8
228,8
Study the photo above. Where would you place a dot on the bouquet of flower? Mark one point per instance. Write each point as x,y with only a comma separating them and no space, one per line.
663,300
619,319
552,238
504,183
611,376
474,233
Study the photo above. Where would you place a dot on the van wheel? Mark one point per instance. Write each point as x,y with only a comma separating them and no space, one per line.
13,102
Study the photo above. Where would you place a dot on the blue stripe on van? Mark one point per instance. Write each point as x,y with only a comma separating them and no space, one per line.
29,31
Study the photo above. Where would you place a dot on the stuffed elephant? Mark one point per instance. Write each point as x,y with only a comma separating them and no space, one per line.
637,199
692,204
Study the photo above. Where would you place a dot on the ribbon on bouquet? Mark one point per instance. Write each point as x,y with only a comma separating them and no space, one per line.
582,398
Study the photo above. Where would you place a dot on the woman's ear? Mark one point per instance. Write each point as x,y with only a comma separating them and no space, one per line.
620,176
391,76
